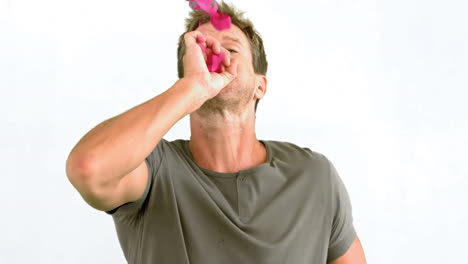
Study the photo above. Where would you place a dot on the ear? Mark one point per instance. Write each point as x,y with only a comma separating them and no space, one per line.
261,86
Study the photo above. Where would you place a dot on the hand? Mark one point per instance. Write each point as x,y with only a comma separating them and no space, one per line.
207,84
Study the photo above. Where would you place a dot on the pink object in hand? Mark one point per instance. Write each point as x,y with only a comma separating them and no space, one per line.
213,61
220,21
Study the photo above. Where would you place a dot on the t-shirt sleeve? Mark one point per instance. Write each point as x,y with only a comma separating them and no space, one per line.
343,232
153,161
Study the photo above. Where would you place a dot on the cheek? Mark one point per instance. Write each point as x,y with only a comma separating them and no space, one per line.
244,68
243,75
245,71
245,79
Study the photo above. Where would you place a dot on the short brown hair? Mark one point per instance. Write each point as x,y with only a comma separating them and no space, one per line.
199,17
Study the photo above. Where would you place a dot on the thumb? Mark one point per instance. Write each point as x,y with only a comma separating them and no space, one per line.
230,72
232,68
221,80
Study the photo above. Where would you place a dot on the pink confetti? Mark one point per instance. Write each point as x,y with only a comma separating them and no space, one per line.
220,21
213,61
209,6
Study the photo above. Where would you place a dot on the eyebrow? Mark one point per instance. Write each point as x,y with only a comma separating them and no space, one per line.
233,39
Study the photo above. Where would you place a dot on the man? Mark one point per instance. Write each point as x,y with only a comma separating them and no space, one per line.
223,196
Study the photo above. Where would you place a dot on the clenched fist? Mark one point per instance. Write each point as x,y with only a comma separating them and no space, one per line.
206,84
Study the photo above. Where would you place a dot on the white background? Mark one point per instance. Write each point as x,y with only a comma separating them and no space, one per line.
377,86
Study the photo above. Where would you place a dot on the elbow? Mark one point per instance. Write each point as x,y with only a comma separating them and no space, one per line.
79,170
81,174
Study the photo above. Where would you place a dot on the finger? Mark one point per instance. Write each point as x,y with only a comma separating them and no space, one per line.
213,44
194,59
227,57
232,68
201,38
201,41
194,37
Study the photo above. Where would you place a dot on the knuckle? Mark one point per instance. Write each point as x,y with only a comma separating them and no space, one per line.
190,34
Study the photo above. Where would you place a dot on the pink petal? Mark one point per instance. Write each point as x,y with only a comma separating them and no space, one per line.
213,61
216,61
205,5
221,21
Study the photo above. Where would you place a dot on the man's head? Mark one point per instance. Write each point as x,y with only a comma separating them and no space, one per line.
244,44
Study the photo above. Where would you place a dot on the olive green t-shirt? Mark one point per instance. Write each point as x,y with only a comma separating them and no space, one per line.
292,209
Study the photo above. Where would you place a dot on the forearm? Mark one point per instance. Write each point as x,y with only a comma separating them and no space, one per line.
118,145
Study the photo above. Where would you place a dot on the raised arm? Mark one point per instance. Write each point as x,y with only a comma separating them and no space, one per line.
107,166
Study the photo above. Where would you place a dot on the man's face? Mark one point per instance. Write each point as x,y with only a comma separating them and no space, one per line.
240,92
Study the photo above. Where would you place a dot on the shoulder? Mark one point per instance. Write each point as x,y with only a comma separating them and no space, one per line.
289,151
165,145
173,151
176,146
299,158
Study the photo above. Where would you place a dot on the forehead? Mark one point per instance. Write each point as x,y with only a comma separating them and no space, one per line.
232,34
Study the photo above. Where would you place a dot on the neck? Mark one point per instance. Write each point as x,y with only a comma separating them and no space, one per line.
225,143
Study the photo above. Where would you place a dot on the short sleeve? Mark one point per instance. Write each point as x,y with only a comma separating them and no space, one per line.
153,161
343,232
